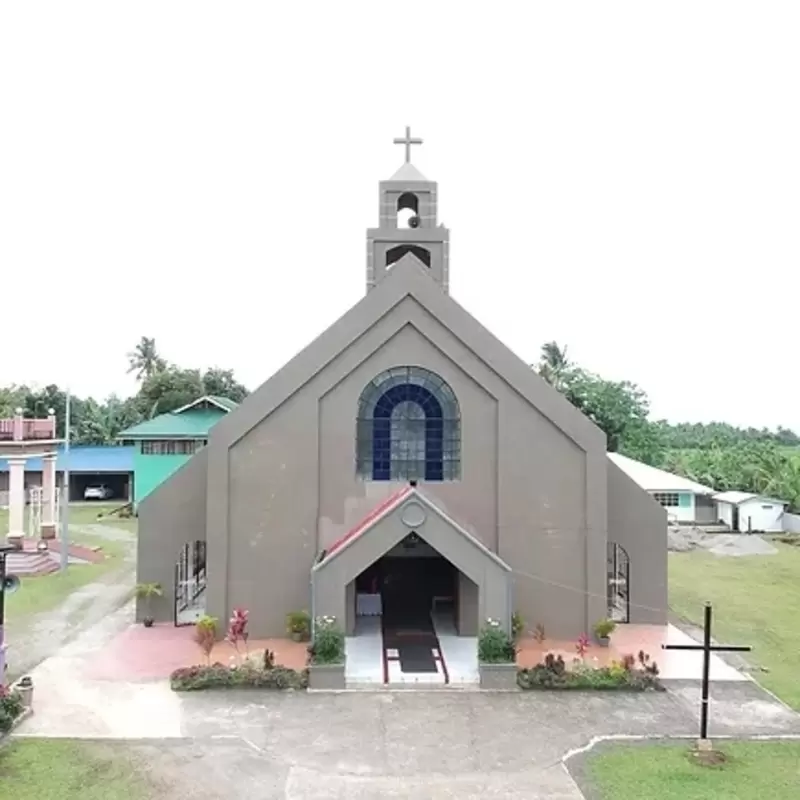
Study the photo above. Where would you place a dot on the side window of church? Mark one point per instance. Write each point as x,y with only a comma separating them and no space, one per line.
408,427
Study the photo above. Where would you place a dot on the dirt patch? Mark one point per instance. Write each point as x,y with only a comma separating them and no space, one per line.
685,539
36,638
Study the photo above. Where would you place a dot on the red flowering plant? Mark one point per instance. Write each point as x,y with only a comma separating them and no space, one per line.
237,632
582,645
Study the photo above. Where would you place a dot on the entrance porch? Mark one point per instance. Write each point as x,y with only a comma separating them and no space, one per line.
413,588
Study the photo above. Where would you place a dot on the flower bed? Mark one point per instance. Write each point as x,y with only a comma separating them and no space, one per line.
11,708
251,671
631,674
241,676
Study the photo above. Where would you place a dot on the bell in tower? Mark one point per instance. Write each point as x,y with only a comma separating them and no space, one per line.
408,224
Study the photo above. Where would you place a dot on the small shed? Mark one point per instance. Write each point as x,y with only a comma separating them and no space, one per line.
747,512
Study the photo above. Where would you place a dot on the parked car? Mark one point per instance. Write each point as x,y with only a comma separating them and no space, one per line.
98,491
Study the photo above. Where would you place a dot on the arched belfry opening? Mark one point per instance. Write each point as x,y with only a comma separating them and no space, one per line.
394,254
407,209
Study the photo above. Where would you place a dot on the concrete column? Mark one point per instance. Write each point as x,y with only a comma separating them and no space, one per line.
16,500
48,529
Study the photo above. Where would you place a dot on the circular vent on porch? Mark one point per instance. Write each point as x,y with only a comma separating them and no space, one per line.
413,515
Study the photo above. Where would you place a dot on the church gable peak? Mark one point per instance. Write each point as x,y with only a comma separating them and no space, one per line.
408,224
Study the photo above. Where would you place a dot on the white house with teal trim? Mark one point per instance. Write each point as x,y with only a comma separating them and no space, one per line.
684,500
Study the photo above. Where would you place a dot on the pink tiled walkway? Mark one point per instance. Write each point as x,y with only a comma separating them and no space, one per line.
141,654
673,664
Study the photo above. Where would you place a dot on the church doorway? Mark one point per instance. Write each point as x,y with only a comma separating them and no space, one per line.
409,597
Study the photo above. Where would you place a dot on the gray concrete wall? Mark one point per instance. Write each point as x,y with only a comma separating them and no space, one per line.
170,516
638,523
533,482
468,610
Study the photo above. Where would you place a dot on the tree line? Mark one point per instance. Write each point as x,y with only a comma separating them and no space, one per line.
163,387
716,454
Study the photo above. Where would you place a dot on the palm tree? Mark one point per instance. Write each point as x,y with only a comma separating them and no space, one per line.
554,364
144,359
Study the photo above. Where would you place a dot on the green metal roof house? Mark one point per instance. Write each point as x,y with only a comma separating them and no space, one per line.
165,443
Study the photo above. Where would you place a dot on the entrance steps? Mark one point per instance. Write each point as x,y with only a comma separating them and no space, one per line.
364,686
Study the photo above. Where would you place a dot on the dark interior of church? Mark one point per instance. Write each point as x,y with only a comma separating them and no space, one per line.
408,586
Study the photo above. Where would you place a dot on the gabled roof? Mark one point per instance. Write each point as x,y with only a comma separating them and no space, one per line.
206,412
409,278
737,498
652,479
408,172
386,507
222,403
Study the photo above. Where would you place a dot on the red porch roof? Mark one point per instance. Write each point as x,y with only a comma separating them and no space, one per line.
386,505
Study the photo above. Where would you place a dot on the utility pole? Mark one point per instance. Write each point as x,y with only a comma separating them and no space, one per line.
8,583
65,503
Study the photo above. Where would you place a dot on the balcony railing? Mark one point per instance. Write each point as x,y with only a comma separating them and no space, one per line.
19,429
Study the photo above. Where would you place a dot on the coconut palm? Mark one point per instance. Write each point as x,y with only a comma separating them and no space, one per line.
144,359
554,364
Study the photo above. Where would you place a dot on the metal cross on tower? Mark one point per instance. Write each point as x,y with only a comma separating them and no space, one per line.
707,649
408,141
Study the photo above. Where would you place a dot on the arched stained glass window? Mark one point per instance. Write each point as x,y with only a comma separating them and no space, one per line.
408,427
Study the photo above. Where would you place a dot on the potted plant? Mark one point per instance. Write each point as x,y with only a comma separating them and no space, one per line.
298,625
603,630
25,688
145,592
497,655
326,670
517,626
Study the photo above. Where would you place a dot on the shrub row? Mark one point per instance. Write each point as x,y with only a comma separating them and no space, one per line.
245,676
10,708
625,675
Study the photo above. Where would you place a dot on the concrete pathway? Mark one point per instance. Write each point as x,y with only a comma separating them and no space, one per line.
32,640
360,745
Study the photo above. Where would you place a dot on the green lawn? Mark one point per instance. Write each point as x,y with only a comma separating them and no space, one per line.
42,769
47,591
81,514
756,601
753,771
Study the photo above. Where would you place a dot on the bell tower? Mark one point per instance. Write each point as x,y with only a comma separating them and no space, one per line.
408,224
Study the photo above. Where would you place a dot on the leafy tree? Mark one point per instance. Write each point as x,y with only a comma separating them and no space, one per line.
168,389
621,409
144,359
221,383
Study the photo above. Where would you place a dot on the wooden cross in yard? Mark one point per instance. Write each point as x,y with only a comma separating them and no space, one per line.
707,649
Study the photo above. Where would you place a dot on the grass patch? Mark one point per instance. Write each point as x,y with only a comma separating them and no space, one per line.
752,771
41,769
44,592
82,514
755,601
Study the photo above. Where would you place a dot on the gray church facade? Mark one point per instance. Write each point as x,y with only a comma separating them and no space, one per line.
407,430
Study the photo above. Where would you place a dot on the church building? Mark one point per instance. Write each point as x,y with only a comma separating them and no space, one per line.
406,466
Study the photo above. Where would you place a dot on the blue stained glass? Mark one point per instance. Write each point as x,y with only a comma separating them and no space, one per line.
409,426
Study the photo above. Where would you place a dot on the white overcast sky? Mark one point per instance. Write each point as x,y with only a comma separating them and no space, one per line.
622,177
